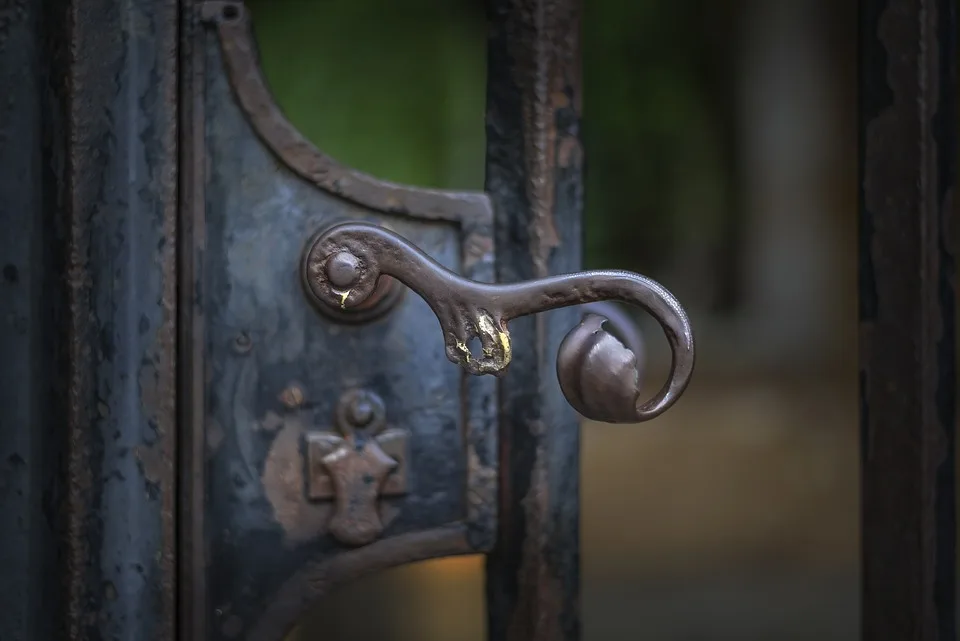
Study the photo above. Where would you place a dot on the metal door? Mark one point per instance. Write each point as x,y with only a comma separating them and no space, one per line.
250,402
330,435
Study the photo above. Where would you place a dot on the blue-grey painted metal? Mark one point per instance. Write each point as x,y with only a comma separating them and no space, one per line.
88,205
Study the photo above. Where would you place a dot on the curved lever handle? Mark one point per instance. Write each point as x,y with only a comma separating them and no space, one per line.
598,375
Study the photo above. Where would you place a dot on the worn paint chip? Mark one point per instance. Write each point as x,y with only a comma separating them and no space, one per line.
487,327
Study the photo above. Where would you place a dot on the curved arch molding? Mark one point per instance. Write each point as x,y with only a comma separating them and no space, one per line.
263,370
242,67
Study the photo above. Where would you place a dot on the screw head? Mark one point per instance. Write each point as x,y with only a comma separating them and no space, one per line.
343,269
360,410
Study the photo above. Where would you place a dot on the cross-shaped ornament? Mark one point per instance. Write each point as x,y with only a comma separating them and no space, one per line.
358,466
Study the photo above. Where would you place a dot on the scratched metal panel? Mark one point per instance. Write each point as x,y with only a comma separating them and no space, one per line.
269,549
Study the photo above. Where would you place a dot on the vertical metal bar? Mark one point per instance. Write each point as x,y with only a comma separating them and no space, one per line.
30,412
908,151
192,590
120,204
535,178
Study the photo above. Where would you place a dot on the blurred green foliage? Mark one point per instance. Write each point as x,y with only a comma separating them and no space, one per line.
397,90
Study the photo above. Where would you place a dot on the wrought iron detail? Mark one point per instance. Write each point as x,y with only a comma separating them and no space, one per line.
238,49
355,468
227,86
598,375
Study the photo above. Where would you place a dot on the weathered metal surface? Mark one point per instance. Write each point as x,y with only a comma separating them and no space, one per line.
302,157
598,376
358,466
119,202
908,153
87,431
268,369
381,300
31,300
192,548
535,179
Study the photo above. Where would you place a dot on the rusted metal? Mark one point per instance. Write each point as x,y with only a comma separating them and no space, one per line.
366,461
258,189
599,377
260,549
907,282
109,135
385,296
534,175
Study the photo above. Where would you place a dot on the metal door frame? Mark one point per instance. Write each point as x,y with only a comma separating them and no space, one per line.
907,288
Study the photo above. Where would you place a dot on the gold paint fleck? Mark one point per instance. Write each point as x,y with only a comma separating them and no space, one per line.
489,329
507,349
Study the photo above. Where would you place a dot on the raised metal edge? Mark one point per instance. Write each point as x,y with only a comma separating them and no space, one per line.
238,47
192,588
388,294
319,578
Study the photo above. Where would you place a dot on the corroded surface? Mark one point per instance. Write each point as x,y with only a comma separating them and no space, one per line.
535,178
88,201
275,367
88,198
357,466
119,202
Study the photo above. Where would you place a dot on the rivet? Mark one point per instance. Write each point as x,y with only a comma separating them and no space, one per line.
343,270
292,397
361,411
242,343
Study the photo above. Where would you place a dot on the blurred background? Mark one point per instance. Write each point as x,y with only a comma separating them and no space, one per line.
720,138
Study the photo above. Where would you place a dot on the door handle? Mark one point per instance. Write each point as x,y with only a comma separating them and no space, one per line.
599,377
